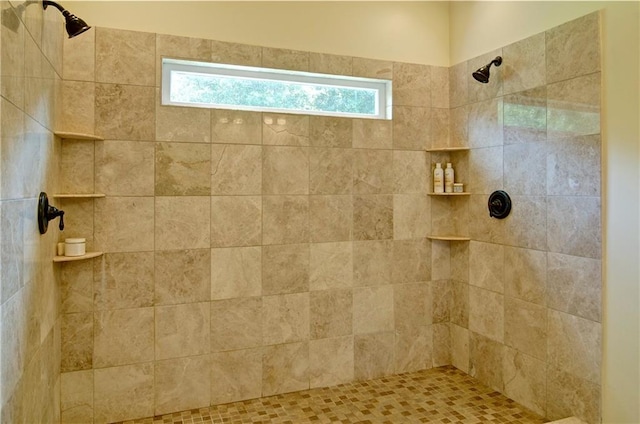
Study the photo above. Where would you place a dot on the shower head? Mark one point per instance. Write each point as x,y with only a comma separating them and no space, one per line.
74,25
482,74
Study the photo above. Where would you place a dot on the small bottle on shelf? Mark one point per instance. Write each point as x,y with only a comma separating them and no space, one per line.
438,179
448,179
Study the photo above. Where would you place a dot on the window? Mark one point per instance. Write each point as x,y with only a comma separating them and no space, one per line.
212,85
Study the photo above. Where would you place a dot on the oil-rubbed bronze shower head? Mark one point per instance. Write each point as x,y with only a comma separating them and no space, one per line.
482,74
74,25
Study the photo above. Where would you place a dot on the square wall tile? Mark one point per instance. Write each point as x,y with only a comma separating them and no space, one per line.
79,57
182,384
236,272
373,217
182,330
76,286
124,168
236,324
373,309
285,368
460,348
182,169
440,87
236,221
525,274
285,269
372,134
330,361
330,132
486,266
528,223
459,84
441,344
570,395
125,112
124,224
486,121
372,68
411,261
460,304
441,301
372,263
411,84
285,219
373,355
182,276
575,286
524,65
573,226
330,171
330,218
486,313
411,127
123,336
330,265
294,60
180,47
576,101
331,313
411,216
182,222
76,397
410,172
486,172
236,169
372,171
525,380
525,327
236,376
76,166
123,392
440,128
236,53
123,280
125,57
459,126
523,164
285,130
486,357
76,341
78,107
285,170
330,64
412,306
285,318
413,349
574,166
182,124
236,127
525,116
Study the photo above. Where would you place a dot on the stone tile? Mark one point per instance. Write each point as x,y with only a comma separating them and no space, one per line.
330,218
285,130
330,64
235,53
573,48
123,280
285,170
373,217
125,112
182,276
485,361
182,222
459,126
121,337
125,57
79,220
113,389
373,355
182,330
569,395
411,84
411,127
413,349
76,167
330,361
285,269
482,227
460,347
486,266
76,286
440,87
285,219
181,384
412,306
441,345
175,47
574,166
486,123
124,224
12,249
236,127
573,107
525,274
440,128
525,327
441,300
575,286
521,162
411,261
525,116
373,309
524,66
236,221
574,345
331,313
372,68
124,168
330,265
486,172
79,57
13,159
459,84
372,134
76,397
13,54
372,263
293,60
236,375
77,341
330,171
410,172
182,124
285,318
573,226
459,261
78,107
479,91
486,313
525,380
285,368
527,225
236,170
183,169
236,324
411,216
236,272
372,171
330,132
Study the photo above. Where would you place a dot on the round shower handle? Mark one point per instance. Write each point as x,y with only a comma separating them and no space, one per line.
499,204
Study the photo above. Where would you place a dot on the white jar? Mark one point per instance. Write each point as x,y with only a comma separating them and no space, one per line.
75,246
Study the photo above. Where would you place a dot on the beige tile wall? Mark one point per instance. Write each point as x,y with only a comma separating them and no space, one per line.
526,292
30,161
263,253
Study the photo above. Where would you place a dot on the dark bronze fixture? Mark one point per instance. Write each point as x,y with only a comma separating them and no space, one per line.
482,74
499,204
74,25
46,213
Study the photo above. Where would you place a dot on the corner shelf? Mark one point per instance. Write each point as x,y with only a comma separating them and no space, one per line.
78,196
77,136
88,255
449,238
448,149
466,193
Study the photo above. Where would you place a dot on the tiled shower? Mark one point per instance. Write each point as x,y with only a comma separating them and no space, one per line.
250,254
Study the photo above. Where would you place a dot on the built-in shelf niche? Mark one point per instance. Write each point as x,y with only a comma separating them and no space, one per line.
88,255
77,136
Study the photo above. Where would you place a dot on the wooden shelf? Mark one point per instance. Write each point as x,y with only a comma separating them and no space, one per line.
88,255
448,149
78,196
77,136
449,238
466,193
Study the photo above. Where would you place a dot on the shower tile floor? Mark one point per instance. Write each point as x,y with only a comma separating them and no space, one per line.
438,395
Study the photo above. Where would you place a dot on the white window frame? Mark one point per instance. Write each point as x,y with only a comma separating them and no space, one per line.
381,86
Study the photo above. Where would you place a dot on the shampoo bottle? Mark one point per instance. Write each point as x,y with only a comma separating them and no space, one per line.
438,179
448,179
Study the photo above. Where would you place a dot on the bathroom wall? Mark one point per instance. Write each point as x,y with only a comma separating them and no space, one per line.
246,254
30,79
527,290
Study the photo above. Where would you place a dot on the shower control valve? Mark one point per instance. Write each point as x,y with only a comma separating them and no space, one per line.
47,212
